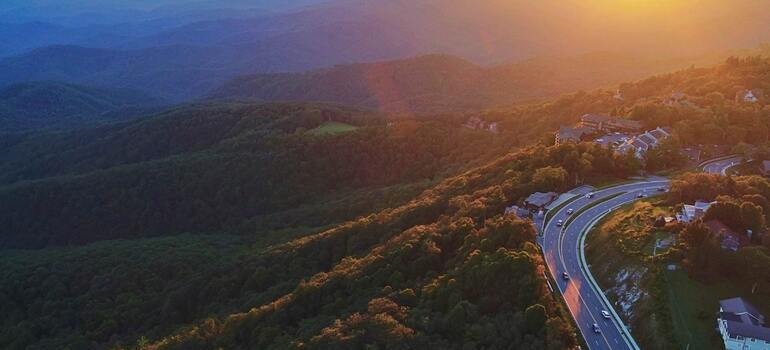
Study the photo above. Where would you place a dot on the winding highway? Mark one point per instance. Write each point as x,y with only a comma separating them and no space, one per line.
563,238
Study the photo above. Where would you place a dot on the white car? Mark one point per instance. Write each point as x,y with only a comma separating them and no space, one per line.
565,275
590,195
570,211
560,223
597,330
640,195
605,314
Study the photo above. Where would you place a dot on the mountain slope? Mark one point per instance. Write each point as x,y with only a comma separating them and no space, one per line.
55,106
440,83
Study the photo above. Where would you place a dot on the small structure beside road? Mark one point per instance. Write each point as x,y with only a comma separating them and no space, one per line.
539,200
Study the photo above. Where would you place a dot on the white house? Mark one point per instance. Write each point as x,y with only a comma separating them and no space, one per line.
741,326
694,212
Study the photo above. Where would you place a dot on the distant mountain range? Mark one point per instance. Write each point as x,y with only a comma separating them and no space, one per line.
441,83
57,106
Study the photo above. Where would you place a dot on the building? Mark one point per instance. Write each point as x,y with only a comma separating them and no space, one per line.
601,123
477,123
568,134
642,143
694,212
729,239
612,140
742,326
748,96
539,200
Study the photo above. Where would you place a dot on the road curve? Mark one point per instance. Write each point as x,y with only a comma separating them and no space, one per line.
563,250
721,165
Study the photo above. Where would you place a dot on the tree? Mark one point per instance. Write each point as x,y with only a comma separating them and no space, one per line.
550,178
535,316
752,216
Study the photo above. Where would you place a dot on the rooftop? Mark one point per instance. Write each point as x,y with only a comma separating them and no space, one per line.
743,319
540,199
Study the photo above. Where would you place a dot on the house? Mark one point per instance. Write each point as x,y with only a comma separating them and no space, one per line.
729,239
765,167
601,123
694,212
612,140
742,326
539,200
642,143
568,134
748,96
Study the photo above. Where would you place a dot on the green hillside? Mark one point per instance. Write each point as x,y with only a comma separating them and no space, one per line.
387,236
38,106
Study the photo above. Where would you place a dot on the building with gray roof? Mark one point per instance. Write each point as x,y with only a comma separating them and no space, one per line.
742,326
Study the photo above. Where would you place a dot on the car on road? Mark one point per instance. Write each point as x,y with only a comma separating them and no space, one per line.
605,314
570,211
565,275
597,330
590,195
662,189
560,223
640,195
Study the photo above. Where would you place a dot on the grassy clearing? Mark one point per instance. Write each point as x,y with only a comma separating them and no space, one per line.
332,128
694,305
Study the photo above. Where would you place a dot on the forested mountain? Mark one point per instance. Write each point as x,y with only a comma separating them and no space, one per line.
387,232
186,58
439,83
56,106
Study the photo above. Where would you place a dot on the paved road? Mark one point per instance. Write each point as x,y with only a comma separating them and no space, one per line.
563,249
562,252
720,166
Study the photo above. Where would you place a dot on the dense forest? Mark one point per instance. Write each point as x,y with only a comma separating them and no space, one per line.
439,225
36,106
284,236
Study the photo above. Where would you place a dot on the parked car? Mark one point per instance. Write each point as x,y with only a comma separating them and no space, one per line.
597,330
605,314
